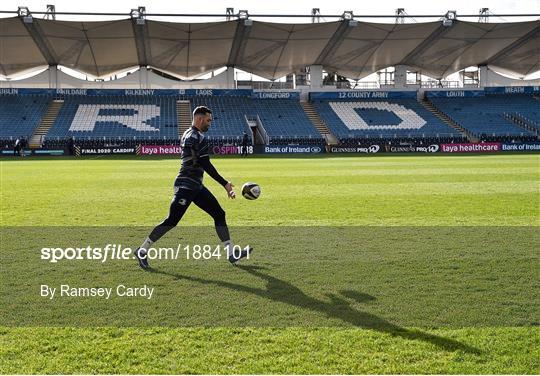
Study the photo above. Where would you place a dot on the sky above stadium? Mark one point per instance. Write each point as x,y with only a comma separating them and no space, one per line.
283,7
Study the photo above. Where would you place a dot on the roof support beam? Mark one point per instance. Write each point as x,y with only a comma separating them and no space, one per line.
512,46
335,41
258,57
141,42
140,31
241,37
424,45
170,54
40,40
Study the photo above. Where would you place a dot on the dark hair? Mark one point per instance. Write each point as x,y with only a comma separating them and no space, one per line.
201,110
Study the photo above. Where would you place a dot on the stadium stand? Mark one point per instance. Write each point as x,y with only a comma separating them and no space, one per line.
141,117
284,120
151,119
490,117
130,120
387,119
228,113
20,115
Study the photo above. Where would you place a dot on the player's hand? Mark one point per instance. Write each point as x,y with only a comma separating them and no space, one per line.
230,191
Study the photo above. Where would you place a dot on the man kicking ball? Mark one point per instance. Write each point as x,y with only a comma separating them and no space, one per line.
188,188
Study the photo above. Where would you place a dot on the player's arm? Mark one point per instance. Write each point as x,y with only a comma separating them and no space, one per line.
204,162
202,158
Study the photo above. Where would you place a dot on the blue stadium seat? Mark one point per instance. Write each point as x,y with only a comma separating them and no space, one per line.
228,114
281,118
116,117
284,118
154,118
20,115
375,118
484,116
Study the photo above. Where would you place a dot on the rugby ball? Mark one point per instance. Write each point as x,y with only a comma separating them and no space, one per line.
251,191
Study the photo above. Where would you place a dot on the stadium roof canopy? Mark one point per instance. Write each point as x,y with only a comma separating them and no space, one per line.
270,50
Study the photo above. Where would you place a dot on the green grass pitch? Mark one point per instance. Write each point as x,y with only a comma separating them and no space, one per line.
385,264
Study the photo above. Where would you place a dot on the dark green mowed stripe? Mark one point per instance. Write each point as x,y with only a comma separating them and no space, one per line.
372,277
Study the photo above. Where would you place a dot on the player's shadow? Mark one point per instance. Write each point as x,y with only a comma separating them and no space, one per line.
337,307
